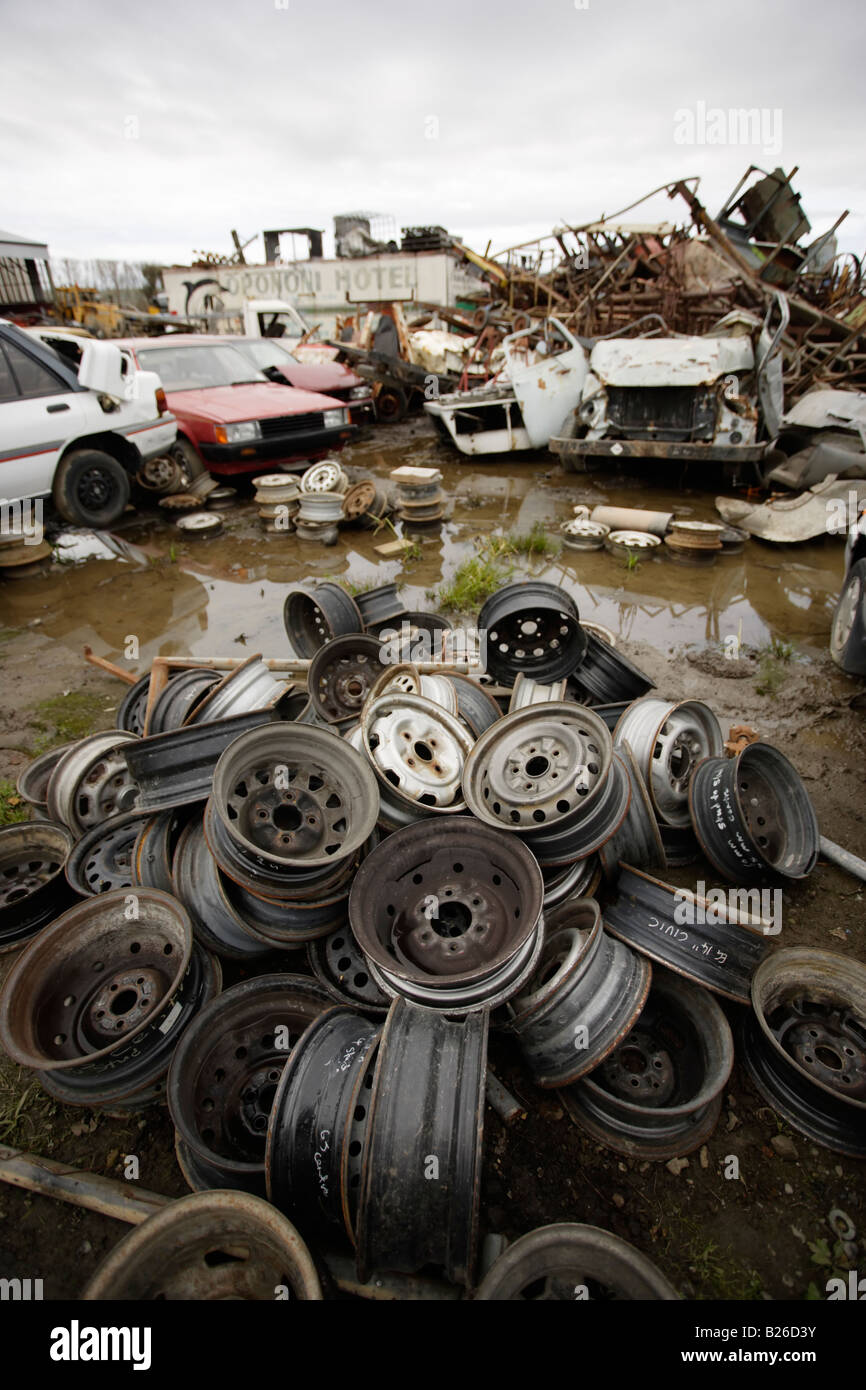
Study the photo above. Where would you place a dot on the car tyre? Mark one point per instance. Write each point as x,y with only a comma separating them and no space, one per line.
187,457
848,632
91,489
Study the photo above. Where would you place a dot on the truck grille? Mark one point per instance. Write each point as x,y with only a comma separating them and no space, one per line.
662,412
279,425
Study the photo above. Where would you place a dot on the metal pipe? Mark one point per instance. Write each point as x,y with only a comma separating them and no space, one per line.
124,1201
843,858
502,1101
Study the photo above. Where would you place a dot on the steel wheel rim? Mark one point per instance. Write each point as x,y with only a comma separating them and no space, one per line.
178,699
823,1037
198,885
167,1256
103,859
246,689
539,767
417,751
721,956
32,782
752,815
418,1109
319,1115
226,1069
659,1095
33,888
341,676
91,782
532,628
448,913
608,676
637,841
567,1255
329,805
131,710
96,1032
668,741
597,984
339,964
314,615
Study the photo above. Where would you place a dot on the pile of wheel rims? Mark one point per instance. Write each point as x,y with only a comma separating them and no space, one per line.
458,863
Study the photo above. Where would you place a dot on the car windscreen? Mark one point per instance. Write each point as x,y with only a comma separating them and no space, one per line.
266,353
195,368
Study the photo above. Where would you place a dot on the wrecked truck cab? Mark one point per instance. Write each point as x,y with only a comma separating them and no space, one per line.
714,398
529,401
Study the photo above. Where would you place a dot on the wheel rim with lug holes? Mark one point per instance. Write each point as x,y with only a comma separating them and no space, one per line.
319,1115
543,767
532,628
808,1053
338,963
94,983
449,914
753,816
322,814
102,860
342,674
313,615
659,1094
226,1069
33,886
668,741
91,782
418,752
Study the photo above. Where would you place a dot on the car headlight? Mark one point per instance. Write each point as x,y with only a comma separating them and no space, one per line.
359,393
243,432
334,419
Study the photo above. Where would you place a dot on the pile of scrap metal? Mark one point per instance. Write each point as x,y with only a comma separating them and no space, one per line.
415,361
439,862
599,277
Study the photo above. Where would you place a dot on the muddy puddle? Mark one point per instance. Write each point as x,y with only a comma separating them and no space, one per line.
214,597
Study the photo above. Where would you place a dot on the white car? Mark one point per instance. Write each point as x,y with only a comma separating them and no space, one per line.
76,435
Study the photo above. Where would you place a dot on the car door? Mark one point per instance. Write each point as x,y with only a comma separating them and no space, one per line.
39,413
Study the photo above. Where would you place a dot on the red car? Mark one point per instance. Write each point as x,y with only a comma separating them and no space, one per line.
335,379
230,416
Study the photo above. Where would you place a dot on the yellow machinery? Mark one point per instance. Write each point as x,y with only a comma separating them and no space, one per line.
85,308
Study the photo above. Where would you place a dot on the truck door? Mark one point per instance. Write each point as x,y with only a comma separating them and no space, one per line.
38,414
768,355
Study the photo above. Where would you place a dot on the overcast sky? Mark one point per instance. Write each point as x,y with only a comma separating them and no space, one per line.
147,131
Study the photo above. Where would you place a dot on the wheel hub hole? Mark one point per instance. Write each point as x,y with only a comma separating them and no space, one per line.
287,818
828,1058
537,766
123,1001
452,919
424,752
633,1061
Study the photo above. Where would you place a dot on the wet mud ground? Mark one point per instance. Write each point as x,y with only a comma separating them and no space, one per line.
763,1235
